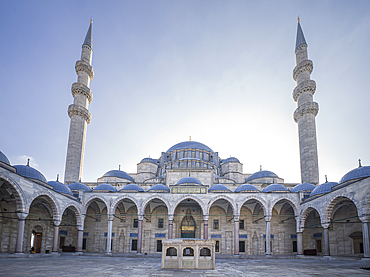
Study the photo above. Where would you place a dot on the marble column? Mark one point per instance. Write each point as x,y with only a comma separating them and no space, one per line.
299,243
326,238
268,235
170,225
109,235
205,226
236,235
20,234
139,234
366,236
80,234
56,235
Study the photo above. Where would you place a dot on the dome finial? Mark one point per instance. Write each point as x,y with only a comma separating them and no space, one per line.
326,178
79,180
28,162
261,167
119,167
297,19
57,177
92,19
189,138
359,163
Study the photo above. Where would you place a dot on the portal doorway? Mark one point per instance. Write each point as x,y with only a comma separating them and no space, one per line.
188,226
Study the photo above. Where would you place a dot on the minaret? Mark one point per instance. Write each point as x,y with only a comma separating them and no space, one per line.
79,113
306,111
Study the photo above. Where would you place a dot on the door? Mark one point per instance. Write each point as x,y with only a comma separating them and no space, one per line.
188,227
38,238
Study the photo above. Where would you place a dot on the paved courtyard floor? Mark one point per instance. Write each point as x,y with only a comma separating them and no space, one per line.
130,266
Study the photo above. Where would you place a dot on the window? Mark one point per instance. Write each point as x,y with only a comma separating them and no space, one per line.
215,224
241,224
160,223
294,246
171,251
84,244
188,252
134,245
241,246
136,223
217,246
205,252
159,245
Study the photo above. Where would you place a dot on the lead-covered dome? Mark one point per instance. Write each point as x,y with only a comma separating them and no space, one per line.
275,188
262,174
303,187
118,174
132,187
4,159
189,181
190,145
246,188
159,188
219,187
149,160
79,186
30,172
323,188
60,187
357,173
231,160
105,187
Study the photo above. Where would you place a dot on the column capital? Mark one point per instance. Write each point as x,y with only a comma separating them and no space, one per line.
170,217
325,225
140,217
267,218
364,218
110,217
57,222
22,216
236,217
205,217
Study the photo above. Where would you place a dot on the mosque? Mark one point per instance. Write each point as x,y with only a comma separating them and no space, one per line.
188,192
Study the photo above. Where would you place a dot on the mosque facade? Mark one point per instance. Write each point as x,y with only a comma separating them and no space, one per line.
188,192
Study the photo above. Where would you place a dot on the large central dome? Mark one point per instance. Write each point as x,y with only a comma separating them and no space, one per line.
190,145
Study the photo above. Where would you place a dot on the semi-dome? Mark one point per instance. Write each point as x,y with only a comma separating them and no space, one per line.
190,145
303,187
231,160
148,160
323,188
60,187
118,174
357,173
79,186
30,172
189,180
275,187
105,187
262,174
218,187
134,187
159,187
246,187
4,159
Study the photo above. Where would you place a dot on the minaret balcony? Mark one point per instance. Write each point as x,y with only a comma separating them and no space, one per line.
75,110
304,109
303,66
78,88
305,86
82,66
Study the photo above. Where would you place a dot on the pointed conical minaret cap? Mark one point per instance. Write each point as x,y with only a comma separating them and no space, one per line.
88,38
300,37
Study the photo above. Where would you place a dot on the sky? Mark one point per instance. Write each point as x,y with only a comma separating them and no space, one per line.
218,71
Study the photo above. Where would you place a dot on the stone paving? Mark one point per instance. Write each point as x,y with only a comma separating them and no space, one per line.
137,266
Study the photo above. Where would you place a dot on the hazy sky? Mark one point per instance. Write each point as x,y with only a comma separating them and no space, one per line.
218,71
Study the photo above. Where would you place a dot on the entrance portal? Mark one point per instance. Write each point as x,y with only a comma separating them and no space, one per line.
188,226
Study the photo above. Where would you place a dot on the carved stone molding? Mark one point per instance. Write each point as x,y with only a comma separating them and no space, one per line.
306,65
306,108
78,88
84,67
305,86
75,110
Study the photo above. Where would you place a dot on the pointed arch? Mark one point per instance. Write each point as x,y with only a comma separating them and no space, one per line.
75,209
256,198
89,200
305,213
333,201
146,202
20,198
291,201
188,196
51,200
224,197
122,197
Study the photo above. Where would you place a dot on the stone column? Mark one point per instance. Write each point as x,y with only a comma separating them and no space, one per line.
205,226
139,234
326,238
109,235
236,234
268,235
20,234
366,236
299,243
56,235
80,234
170,225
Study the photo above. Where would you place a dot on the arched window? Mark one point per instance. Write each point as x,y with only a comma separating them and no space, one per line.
171,251
188,252
205,252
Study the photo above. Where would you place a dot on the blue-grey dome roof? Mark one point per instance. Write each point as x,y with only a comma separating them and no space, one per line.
105,186
132,187
246,187
79,186
323,188
189,180
303,187
60,187
218,187
4,159
300,37
360,172
30,172
148,160
231,160
118,174
261,174
190,145
274,187
160,187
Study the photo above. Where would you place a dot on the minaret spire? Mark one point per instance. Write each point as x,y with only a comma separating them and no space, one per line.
306,111
79,113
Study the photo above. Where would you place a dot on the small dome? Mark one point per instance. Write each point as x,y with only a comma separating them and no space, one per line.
60,187
275,187
132,187
246,187
105,187
190,145
323,188
303,187
218,187
149,160
118,174
160,187
4,159
189,180
357,173
231,160
79,186
262,174
30,172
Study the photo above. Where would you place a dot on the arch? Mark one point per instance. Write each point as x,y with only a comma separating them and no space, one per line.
188,196
366,203
306,211
254,197
224,197
328,209
87,203
52,201
146,202
75,209
20,198
119,199
291,201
